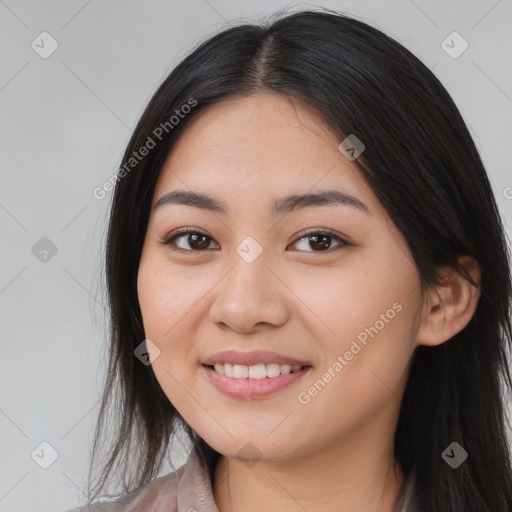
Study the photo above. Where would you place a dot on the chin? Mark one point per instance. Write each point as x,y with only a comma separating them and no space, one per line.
252,449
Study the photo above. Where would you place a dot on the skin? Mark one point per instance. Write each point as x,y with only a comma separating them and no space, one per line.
334,453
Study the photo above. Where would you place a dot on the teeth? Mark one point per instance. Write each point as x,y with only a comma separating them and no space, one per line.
257,371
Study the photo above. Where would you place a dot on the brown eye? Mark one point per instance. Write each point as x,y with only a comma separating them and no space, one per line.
321,241
195,240
191,241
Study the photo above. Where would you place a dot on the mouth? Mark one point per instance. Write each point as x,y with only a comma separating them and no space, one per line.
257,371
253,382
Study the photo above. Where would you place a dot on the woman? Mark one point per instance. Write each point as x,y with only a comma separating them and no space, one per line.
307,273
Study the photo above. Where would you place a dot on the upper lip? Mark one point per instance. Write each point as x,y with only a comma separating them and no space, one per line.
251,358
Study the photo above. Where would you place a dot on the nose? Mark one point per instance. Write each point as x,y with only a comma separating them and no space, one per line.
250,296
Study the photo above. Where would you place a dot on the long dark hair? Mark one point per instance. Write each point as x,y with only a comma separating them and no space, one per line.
422,164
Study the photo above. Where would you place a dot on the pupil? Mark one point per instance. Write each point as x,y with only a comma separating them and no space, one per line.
320,245
200,244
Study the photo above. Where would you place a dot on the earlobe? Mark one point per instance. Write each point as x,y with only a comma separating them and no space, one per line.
450,307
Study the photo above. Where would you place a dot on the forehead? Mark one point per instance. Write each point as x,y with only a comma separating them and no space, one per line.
266,145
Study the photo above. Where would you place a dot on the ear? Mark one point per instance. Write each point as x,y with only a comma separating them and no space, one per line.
447,309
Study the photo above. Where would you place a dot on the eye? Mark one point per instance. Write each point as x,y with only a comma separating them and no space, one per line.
321,241
197,241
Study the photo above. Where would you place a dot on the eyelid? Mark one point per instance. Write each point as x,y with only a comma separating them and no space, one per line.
319,231
187,230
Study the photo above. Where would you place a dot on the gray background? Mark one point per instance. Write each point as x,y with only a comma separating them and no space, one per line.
65,121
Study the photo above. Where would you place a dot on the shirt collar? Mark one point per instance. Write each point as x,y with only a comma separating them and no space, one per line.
194,487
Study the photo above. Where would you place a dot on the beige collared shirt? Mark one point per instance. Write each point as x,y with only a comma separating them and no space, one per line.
188,489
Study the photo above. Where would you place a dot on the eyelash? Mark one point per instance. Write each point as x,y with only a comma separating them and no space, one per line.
170,240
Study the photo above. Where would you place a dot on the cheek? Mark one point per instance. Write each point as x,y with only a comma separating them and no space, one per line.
152,293
166,300
341,303
366,312
166,296
368,323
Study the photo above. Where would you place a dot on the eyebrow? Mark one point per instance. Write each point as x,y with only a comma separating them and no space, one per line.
279,207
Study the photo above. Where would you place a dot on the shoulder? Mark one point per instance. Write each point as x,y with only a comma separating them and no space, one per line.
187,488
159,494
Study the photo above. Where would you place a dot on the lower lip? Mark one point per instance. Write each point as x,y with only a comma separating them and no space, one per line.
252,388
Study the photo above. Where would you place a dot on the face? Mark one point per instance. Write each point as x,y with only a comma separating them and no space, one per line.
329,284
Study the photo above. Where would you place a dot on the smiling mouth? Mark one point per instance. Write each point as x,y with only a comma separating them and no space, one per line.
258,371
